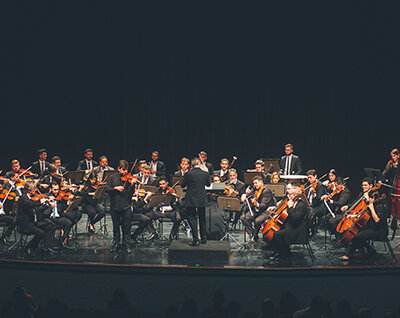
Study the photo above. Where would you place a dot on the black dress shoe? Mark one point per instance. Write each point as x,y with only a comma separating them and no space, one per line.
194,243
29,251
203,241
152,237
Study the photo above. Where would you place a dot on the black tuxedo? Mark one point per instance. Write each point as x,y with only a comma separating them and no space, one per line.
36,168
161,169
295,165
179,173
82,165
315,199
224,176
196,199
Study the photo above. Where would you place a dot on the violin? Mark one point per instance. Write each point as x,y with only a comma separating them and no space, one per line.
230,190
6,194
26,172
172,191
358,222
347,222
142,193
129,178
339,189
276,221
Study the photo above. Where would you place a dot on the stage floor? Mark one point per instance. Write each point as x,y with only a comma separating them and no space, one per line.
96,249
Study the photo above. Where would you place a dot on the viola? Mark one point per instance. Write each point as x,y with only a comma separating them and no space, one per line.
347,222
276,221
358,223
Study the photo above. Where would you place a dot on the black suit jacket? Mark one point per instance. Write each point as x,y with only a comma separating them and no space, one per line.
82,165
36,168
161,169
195,180
265,200
179,173
224,177
295,165
119,200
295,226
319,192
26,211
239,186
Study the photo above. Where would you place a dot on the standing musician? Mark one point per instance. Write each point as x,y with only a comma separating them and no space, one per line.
157,167
392,173
39,167
294,229
315,190
223,172
239,189
170,211
91,206
206,166
184,167
29,222
261,204
121,192
290,164
8,218
195,200
375,229
56,160
56,212
103,166
88,163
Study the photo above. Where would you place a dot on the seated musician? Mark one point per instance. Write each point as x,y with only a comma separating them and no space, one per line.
314,191
47,179
6,217
146,177
140,166
56,212
330,183
375,229
275,178
259,166
14,188
91,206
262,202
223,172
140,208
340,198
39,167
101,168
290,164
69,194
87,164
157,167
239,189
294,228
15,166
184,167
28,221
206,166
171,211
56,160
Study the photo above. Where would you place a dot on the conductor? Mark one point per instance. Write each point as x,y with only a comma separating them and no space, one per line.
196,198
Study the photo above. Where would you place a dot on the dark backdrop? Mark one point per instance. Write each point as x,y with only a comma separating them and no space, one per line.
232,78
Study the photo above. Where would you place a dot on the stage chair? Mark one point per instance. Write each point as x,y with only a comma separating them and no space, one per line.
387,247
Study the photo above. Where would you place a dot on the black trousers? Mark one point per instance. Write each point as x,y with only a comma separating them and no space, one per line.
280,244
145,221
253,222
10,223
121,221
95,212
74,215
191,214
42,229
174,215
63,223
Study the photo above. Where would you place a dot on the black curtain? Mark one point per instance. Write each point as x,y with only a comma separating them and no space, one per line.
231,78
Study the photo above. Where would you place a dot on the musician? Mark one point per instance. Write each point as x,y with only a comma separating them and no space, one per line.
70,195
259,166
290,164
206,166
196,199
294,229
8,219
223,172
146,177
103,166
56,212
239,187
184,167
315,190
140,208
120,193
48,178
39,167
91,206
56,160
12,186
140,166
261,204
375,229
157,167
28,222
15,166
171,211
88,163
330,183
392,173
275,178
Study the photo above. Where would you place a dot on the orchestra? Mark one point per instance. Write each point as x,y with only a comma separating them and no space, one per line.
40,200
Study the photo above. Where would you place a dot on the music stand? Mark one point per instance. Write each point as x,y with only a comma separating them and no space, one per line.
271,162
75,176
108,173
99,191
160,199
374,174
248,177
148,188
179,191
278,189
176,179
229,204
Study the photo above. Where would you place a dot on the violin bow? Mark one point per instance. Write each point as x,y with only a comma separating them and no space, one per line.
2,203
233,161
133,166
25,171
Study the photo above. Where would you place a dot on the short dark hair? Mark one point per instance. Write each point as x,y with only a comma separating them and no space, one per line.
88,150
123,164
289,145
185,159
162,179
14,162
258,178
53,183
367,179
311,172
40,151
52,168
102,157
232,170
259,162
55,158
10,174
203,153
339,180
156,152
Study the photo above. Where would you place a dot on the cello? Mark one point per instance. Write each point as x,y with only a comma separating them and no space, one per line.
276,221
